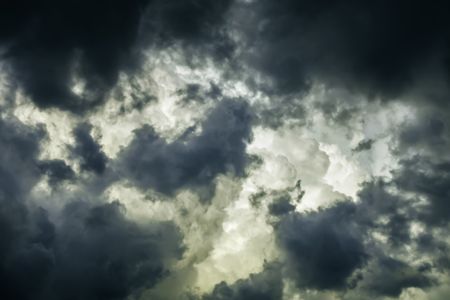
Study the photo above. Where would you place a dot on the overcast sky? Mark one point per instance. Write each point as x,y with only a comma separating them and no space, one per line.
224,150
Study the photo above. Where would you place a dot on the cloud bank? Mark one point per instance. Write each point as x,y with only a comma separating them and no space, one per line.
232,149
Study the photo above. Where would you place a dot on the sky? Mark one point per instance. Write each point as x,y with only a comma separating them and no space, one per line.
224,150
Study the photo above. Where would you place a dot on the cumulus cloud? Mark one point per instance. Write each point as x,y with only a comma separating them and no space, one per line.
92,251
227,149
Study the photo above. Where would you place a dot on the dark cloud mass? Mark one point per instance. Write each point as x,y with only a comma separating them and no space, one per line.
364,145
51,45
56,170
350,96
48,41
101,255
390,276
94,253
430,180
377,47
265,285
187,20
88,150
194,160
335,247
17,176
323,248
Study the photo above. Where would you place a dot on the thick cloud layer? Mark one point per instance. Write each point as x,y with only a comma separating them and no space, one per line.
46,42
52,47
153,149
378,47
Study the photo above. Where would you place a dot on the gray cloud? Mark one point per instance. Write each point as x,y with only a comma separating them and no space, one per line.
47,43
88,150
193,160
390,238
101,255
364,145
389,276
375,48
423,177
323,248
94,252
56,170
265,285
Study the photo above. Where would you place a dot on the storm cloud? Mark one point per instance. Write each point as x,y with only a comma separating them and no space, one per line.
195,159
94,252
377,47
50,46
230,149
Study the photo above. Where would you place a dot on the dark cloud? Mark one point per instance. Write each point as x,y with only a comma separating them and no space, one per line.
21,231
281,206
96,253
190,20
339,105
428,132
194,160
266,285
376,47
280,201
389,277
196,93
56,170
392,237
91,252
276,113
139,99
323,248
49,44
283,202
88,150
26,259
421,176
99,254
386,213
334,248
18,168
199,26
364,145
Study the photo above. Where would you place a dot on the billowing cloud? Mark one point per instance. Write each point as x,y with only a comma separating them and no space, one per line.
265,285
69,55
323,248
92,252
193,159
231,149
